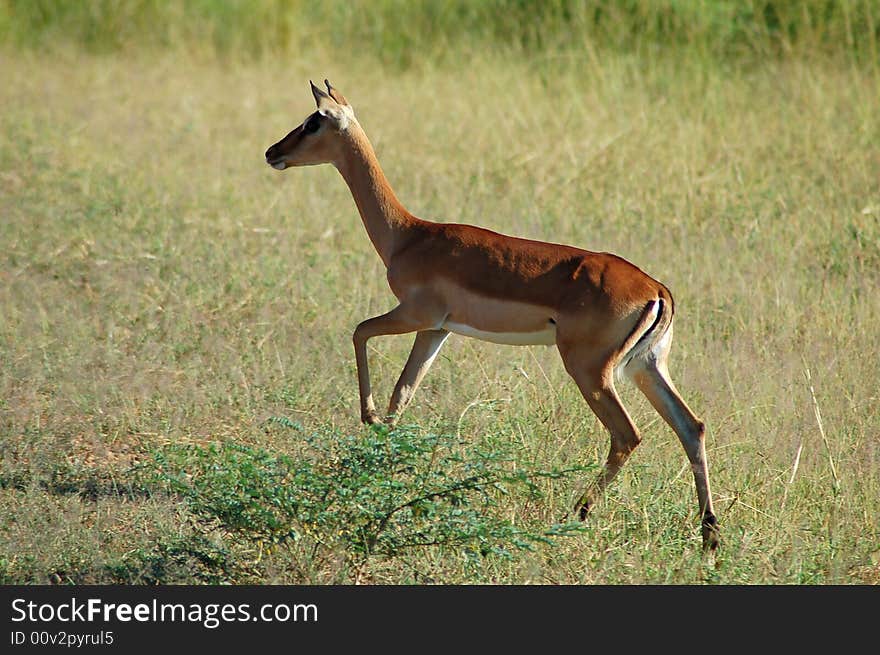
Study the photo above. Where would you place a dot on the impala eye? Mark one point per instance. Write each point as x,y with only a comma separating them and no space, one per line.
312,125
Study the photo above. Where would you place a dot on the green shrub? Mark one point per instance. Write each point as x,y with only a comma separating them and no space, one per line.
382,492
170,560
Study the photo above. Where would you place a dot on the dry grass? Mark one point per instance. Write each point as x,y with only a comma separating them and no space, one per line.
159,283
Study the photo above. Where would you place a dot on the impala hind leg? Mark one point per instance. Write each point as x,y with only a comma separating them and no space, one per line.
597,387
424,351
652,378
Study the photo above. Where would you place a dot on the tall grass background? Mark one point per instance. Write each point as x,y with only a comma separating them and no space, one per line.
403,33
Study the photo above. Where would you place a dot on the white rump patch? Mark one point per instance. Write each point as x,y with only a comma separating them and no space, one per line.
642,345
663,344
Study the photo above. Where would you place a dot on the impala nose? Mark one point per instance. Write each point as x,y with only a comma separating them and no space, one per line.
275,159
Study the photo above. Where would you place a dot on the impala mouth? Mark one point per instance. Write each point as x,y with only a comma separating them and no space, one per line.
277,164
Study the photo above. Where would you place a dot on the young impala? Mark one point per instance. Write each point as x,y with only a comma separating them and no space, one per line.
603,313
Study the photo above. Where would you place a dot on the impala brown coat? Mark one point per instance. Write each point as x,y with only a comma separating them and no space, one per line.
604,314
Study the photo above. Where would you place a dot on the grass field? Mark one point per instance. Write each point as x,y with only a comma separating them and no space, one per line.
162,288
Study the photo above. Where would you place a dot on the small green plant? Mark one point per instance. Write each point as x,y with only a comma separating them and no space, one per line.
174,559
382,492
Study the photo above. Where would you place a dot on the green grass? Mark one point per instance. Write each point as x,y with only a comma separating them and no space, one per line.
404,34
161,288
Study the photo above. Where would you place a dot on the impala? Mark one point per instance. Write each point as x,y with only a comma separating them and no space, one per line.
604,314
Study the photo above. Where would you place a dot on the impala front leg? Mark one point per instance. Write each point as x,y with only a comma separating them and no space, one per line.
424,351
400,320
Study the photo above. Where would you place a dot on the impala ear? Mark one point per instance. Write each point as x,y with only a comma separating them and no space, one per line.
333,106
338,97
320,96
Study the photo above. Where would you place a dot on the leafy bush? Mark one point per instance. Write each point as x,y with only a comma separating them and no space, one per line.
174,560
383,492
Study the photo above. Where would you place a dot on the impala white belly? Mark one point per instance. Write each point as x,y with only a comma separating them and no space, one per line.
545,337
496,320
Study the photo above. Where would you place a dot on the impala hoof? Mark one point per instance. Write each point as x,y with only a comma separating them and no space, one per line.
371,419
582,510
711,533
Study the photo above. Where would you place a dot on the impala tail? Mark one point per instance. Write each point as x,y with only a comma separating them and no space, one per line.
651,337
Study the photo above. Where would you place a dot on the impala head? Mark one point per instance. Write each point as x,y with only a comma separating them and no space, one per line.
317,140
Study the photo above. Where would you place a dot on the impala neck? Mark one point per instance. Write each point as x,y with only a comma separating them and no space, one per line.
384,216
